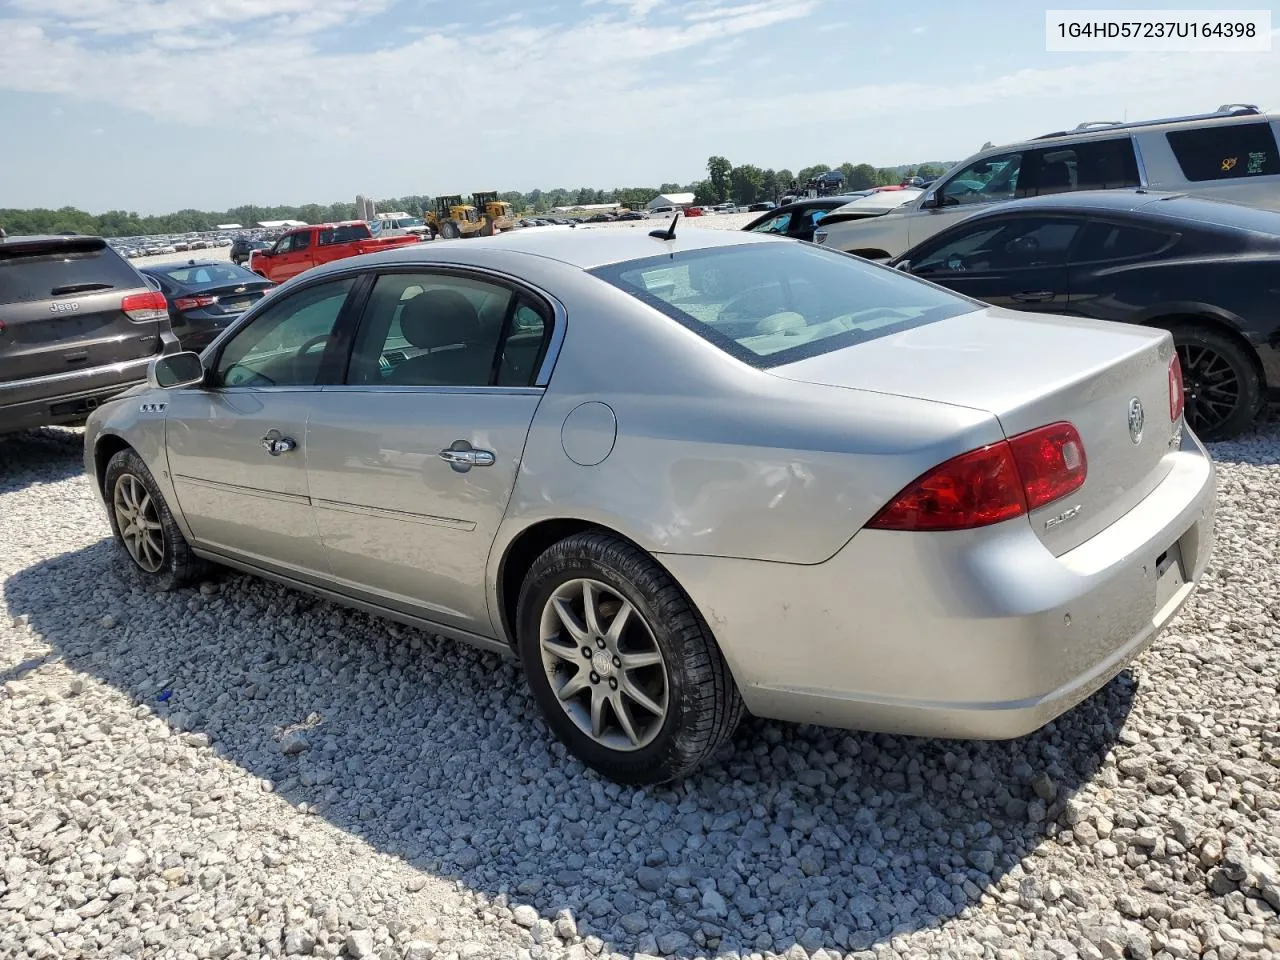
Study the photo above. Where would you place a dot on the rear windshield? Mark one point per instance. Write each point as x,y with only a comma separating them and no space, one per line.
35,270
344,234
773,303
207,274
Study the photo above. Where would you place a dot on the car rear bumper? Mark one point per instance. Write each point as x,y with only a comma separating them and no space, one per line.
72,396
978,634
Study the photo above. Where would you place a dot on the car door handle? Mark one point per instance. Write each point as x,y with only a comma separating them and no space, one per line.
275,443
462,456
1034,296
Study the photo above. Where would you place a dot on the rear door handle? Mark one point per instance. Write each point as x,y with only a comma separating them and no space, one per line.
275,443
1034,296
461,456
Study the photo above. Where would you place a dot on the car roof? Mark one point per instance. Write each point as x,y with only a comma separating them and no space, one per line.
1156,203
580,247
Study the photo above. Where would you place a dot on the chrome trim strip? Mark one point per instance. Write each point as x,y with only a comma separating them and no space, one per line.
292,498
402,388
382,513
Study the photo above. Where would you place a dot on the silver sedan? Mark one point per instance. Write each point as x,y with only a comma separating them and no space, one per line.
682,478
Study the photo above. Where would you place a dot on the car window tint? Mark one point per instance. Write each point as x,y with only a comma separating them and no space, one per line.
1007,245
1108,241
776,224
343,234
285,244
769,304
429,330
1229,152
1094,165
984,181
34,270
284,344
524,346
207,274
301,241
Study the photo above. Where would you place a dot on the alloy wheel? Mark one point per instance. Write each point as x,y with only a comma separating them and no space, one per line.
1211,389
604,665
139,523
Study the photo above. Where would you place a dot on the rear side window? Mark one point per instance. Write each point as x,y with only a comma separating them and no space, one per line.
344,235
1232,152
773,303
38,270
1110,241
1094,165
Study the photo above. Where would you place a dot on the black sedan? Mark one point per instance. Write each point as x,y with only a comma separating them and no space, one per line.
799,219
204,296
1207,271
241,247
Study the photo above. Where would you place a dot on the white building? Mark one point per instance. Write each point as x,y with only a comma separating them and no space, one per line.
678,200
276,224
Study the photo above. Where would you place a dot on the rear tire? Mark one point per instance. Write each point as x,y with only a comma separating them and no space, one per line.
1224,392
654,698
144,527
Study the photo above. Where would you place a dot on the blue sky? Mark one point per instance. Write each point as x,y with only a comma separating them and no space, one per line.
156,105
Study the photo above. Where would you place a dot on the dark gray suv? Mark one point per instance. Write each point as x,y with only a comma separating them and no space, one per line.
78,324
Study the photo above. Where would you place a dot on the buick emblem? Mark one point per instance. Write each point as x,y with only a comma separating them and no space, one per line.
1137,420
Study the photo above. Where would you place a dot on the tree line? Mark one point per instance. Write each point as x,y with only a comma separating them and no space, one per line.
744,184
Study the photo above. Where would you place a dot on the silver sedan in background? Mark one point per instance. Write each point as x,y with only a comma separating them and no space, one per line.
681,478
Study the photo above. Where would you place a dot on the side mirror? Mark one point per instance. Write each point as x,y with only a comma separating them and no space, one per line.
183,369
931,200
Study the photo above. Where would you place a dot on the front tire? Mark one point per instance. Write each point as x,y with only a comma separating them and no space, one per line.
624,669
144,527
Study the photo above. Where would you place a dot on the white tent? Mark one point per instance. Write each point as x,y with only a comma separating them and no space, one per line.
229,226
671,200
273,224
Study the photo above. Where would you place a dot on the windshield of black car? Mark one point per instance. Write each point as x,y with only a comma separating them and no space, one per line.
773,303
207,274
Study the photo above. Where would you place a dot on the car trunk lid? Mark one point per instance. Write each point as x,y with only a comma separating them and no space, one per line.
62,308
1030,371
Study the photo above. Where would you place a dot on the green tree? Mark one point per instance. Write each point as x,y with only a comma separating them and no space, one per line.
746,183
769,185
705,193
719,170
861,177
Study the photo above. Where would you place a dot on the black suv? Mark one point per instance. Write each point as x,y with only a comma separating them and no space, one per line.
78,324
241,247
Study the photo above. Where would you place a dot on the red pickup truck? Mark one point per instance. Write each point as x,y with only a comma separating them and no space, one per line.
307,247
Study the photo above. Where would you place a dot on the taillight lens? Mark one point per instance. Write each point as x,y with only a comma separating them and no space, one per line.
145,306
192,303
1176,396
991,484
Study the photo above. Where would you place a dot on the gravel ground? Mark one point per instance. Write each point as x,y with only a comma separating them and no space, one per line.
240,770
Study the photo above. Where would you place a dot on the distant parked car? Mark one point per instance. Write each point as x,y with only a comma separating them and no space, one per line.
632,215
1204,270
241,247
797,220
693,211
762,206
78,324
206,295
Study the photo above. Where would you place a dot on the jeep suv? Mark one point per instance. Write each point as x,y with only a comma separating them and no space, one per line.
1230,154
78,324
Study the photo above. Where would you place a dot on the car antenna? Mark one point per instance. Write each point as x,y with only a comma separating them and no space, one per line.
669,233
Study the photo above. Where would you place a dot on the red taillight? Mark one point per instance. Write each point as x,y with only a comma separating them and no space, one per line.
191,303
145,306
1050,461
1176,397
991,484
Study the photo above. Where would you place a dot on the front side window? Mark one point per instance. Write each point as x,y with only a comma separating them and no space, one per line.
283,345
1007,244
984,181
778,224
444,330
772,304
1231,152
